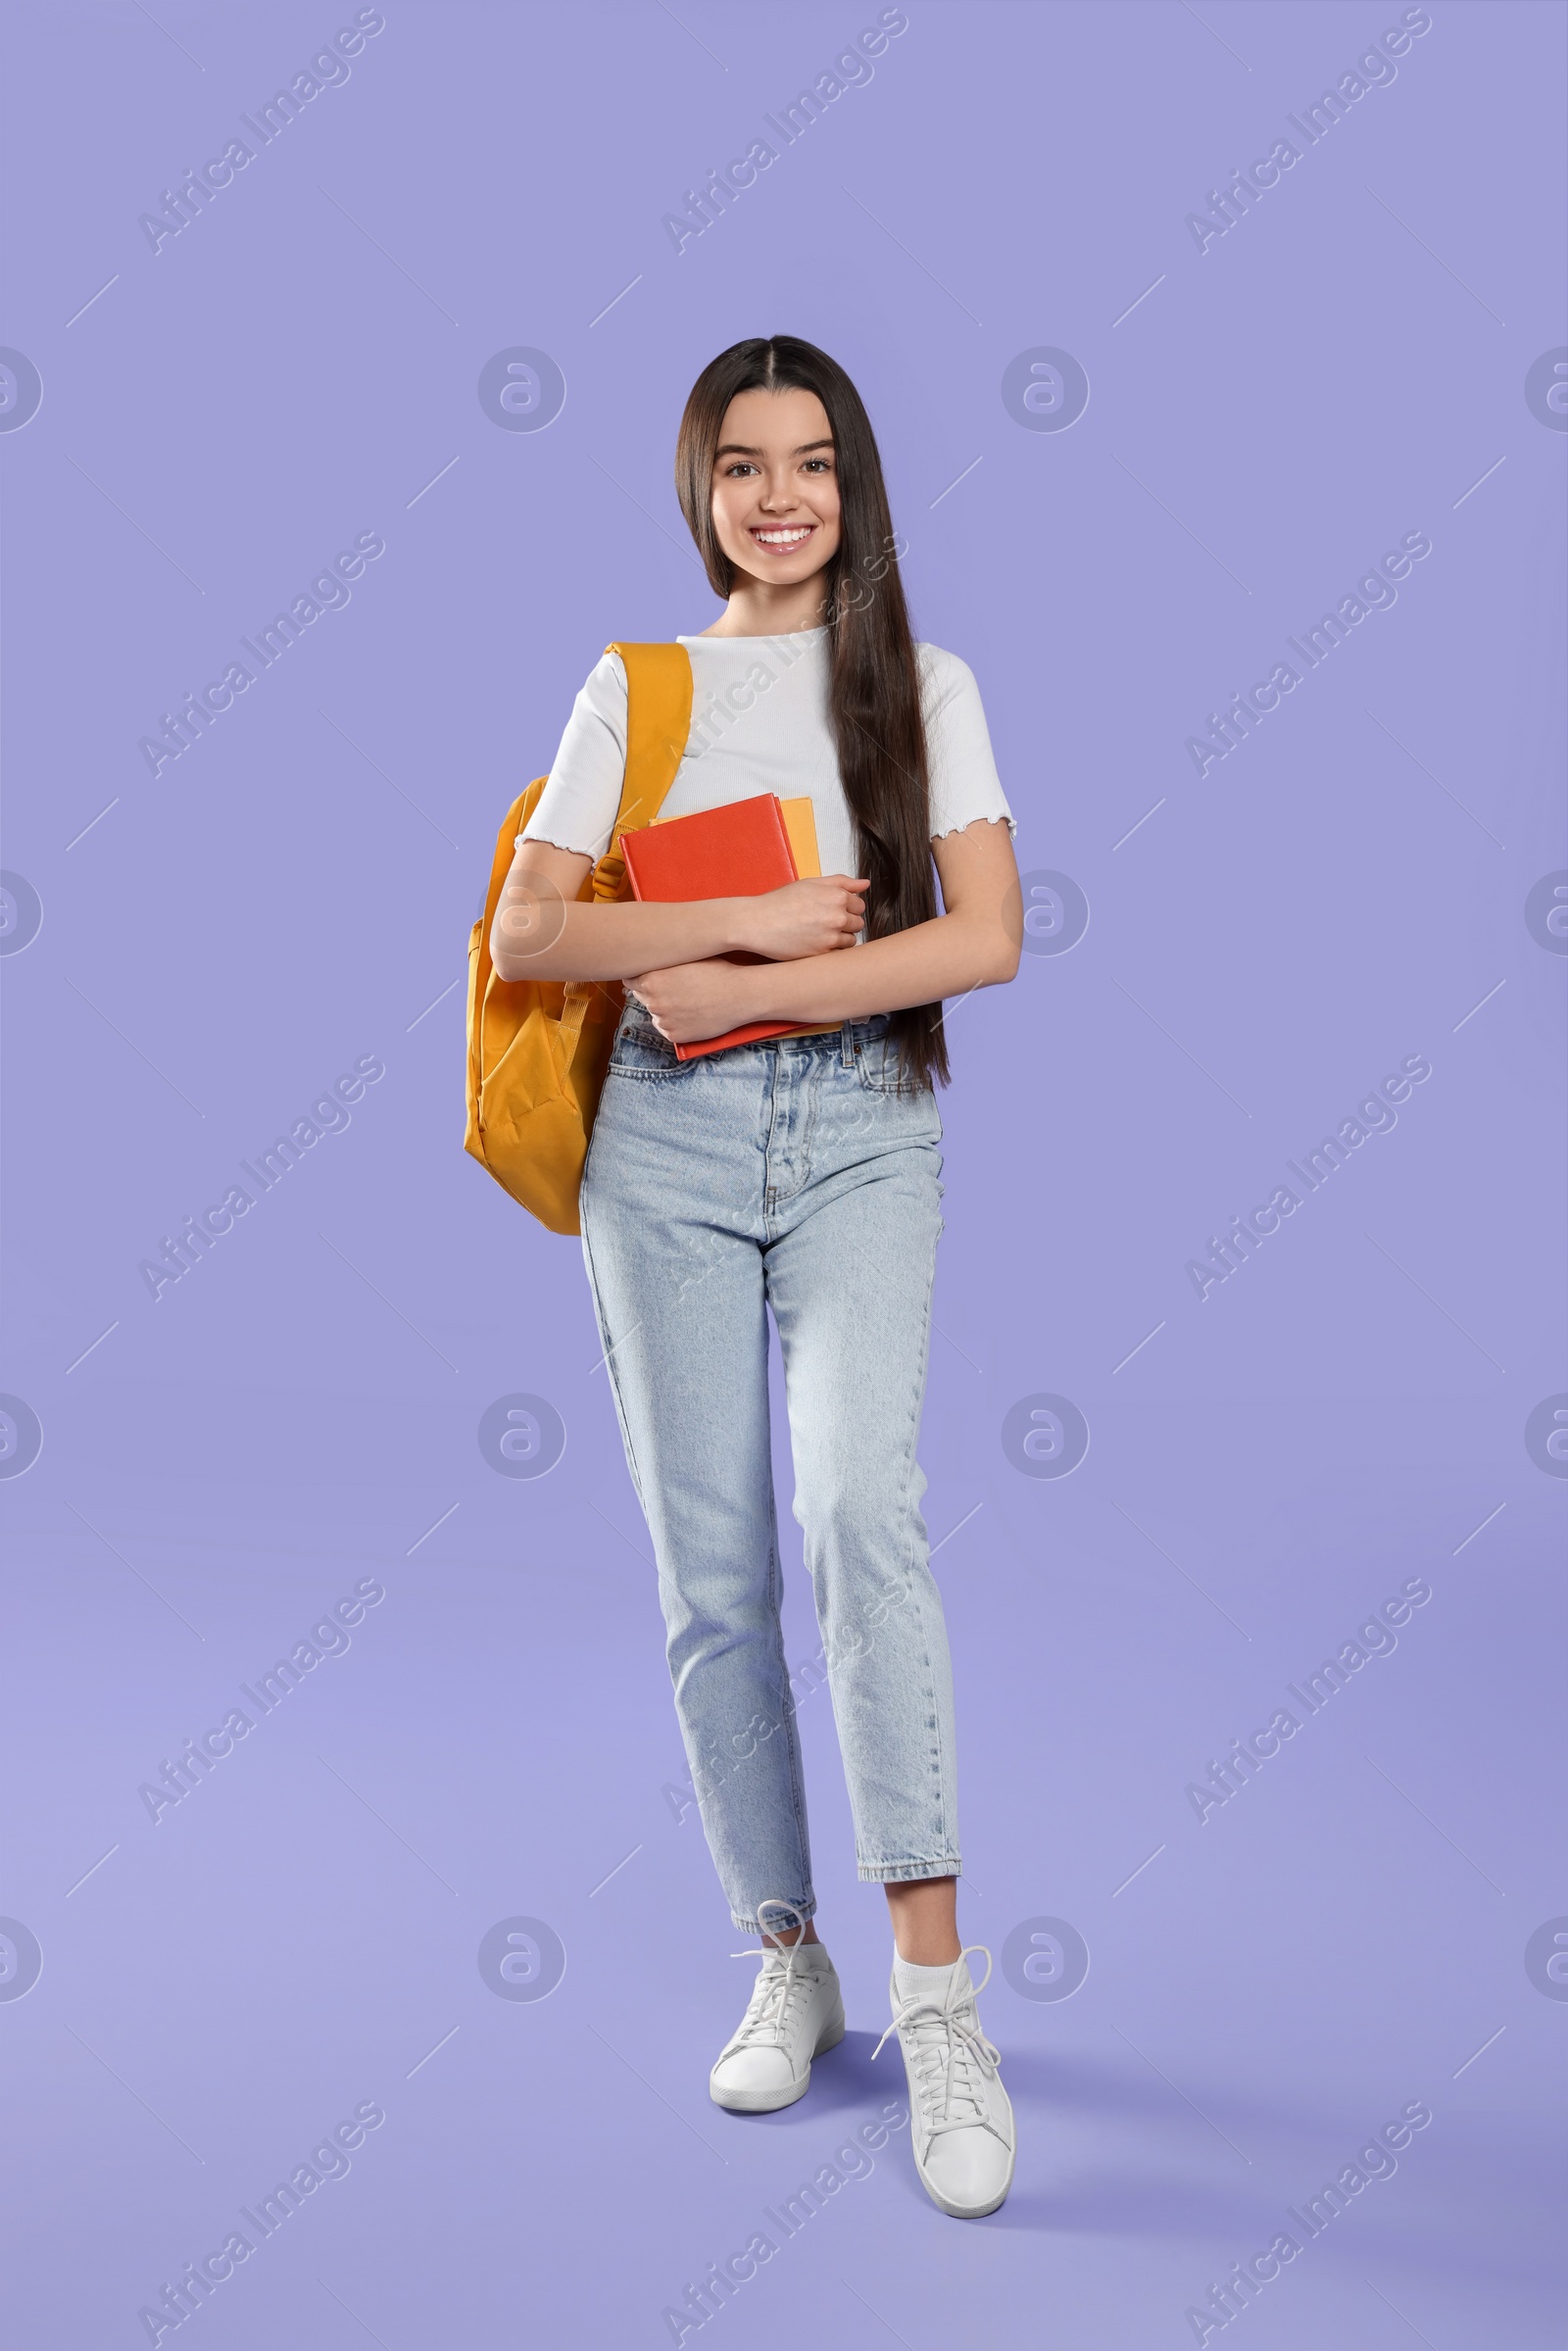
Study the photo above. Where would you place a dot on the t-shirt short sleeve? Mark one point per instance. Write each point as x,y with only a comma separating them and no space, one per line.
576,809
965,787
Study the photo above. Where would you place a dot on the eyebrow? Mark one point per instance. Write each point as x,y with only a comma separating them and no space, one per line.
742,449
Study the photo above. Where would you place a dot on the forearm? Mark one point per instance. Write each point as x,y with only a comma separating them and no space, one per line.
536,935
947,956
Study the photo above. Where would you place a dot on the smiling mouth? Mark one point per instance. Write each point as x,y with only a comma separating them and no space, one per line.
784,538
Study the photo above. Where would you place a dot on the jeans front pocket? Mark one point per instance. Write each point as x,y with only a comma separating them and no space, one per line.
905,1113
640,1052
878,1065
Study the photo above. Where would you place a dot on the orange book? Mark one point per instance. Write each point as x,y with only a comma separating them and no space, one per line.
739,850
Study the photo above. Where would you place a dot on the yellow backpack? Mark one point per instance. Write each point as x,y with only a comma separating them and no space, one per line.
538,1048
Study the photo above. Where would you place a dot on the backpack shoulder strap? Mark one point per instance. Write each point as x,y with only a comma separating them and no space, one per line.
658,721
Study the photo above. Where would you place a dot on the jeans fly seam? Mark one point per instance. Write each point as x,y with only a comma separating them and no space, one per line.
806,1093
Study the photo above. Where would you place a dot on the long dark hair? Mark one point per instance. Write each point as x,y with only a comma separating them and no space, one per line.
874,690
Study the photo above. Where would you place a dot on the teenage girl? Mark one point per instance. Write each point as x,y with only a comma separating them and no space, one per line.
801,1174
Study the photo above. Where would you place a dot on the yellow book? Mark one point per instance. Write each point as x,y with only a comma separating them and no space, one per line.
799,822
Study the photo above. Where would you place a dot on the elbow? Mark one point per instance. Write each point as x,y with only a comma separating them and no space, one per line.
506,961
1002,954
991,953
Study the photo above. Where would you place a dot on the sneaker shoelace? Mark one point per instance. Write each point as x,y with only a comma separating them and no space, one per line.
954,2063
770,2011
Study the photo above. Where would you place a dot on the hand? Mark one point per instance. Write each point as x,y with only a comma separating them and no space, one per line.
692,1001
803,918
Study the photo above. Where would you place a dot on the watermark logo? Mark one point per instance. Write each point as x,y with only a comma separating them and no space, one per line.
522,1436
329,592
521,390
523,1959
1045,1959
20,390
21,1437
1044,1436
1375,69
1546,1436
1546,388
1045,390
1374,592
329,70
20,1959
1545,1959
1228,2301
1545,913
328,1115
1229,1774
705,2300
1376,1114
182,1774
1056,913
198,2283
705,205
20,913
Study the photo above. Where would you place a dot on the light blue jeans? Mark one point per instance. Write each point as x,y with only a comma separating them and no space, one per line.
794,1174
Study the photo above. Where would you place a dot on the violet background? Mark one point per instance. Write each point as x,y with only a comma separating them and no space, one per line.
301,365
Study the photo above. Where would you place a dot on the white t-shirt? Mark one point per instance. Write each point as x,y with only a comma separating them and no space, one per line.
759,723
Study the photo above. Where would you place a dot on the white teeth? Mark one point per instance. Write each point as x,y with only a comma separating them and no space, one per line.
781,538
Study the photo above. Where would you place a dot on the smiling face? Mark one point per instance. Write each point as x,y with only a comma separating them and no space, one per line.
775,487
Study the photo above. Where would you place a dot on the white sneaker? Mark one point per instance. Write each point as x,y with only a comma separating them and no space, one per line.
796,2011
960,2117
